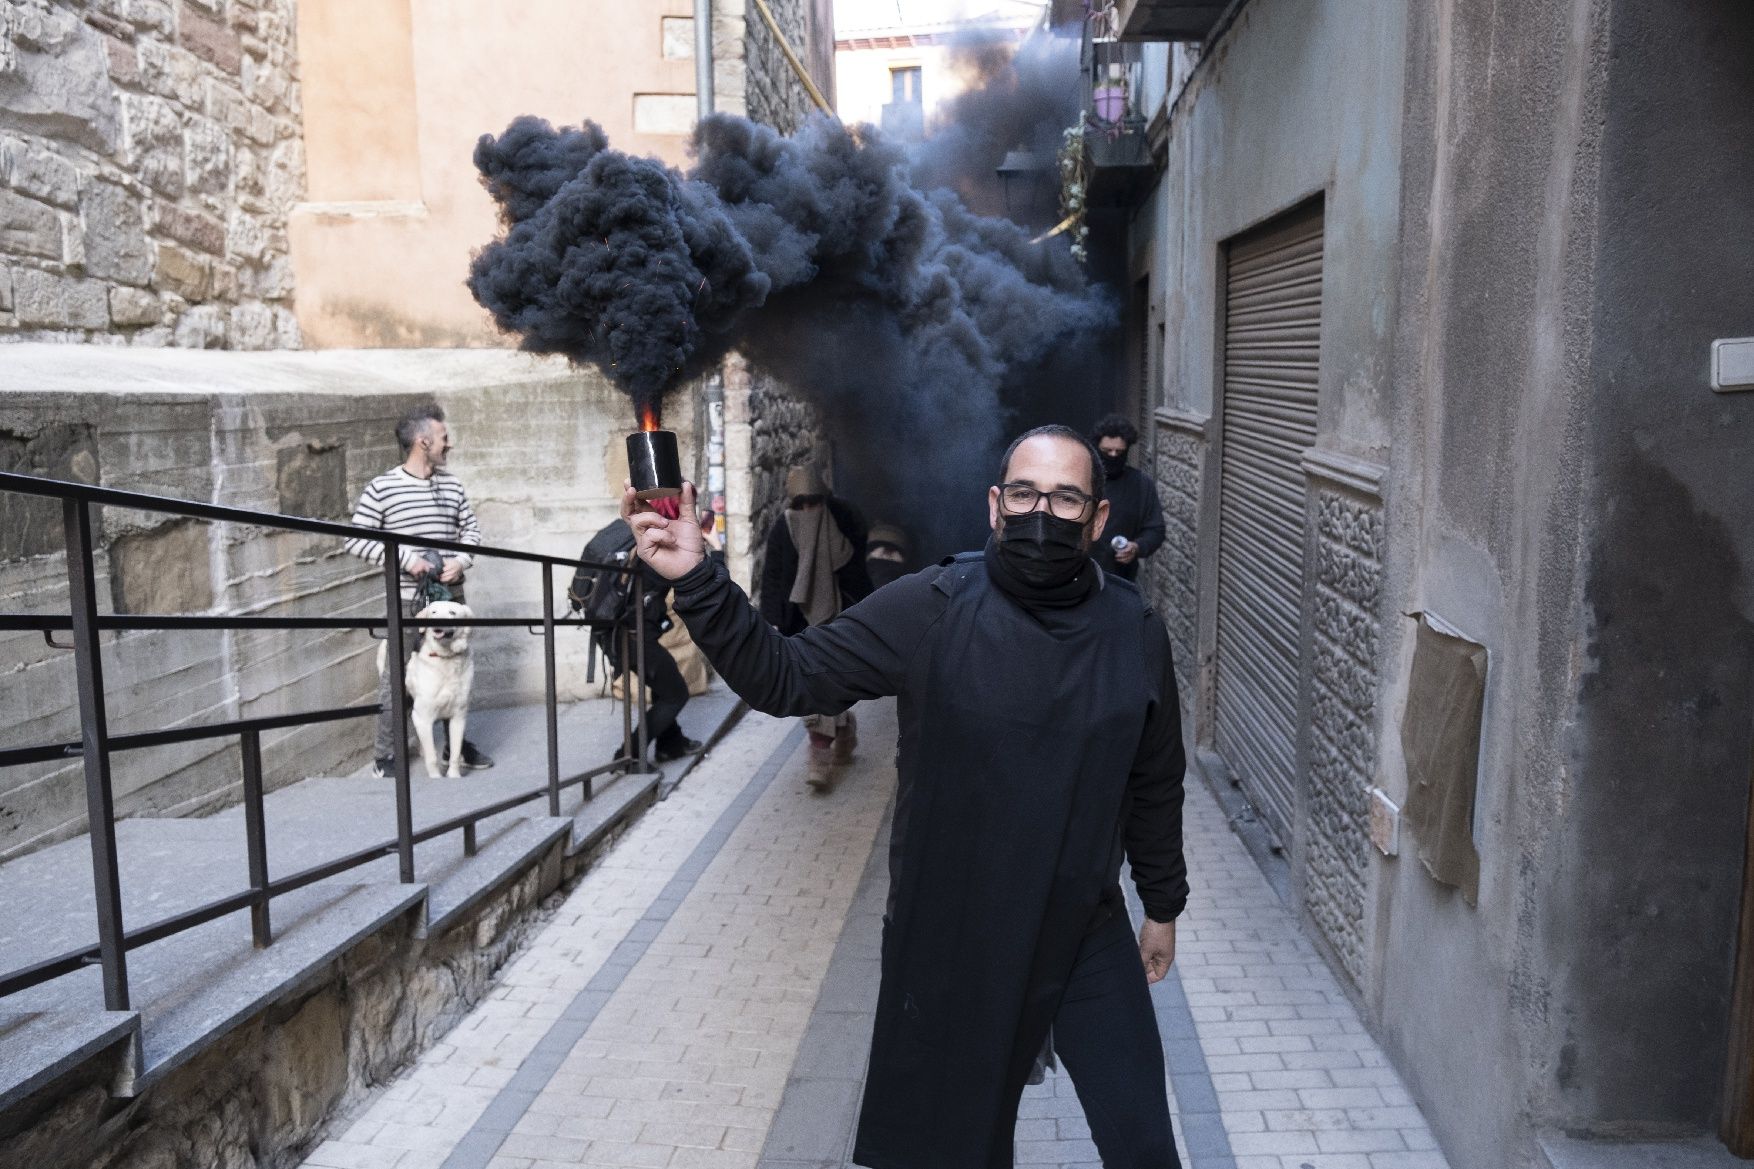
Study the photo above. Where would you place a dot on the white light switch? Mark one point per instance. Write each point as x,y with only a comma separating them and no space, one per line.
1732,364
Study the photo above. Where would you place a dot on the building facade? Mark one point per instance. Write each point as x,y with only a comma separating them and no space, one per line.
1424,304
896,66
265,174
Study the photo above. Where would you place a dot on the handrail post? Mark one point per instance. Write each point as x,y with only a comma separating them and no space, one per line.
95,750
396,662
550,691
553,697
256,837
622,672
639,629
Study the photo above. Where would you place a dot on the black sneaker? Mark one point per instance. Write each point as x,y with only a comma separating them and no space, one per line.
674,751
384,768
474,758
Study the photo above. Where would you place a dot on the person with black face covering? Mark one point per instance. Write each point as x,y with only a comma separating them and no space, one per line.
1040,744
1135,517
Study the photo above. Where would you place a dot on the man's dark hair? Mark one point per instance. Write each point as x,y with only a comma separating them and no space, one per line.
1115,426
1057,431
414,423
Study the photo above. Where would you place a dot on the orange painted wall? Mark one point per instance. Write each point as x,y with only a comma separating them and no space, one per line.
395,95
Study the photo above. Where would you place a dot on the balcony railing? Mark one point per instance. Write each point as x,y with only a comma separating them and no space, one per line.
1114,118
96,744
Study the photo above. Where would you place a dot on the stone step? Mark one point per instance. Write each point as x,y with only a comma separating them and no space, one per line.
217,992
614,801
1564,1152
39,1047
507,857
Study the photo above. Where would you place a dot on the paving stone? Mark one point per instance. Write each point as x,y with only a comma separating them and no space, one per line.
730,1023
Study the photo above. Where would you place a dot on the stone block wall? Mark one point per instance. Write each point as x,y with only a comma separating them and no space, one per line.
1175,569
750,74
1342,761
149,154
768,430
539,449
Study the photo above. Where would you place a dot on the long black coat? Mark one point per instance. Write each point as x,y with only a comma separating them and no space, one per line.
1033,750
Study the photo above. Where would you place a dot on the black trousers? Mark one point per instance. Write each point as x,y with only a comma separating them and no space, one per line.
1106,1035
666,689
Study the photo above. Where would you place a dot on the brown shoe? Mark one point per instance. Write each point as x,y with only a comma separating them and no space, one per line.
821,773
846,741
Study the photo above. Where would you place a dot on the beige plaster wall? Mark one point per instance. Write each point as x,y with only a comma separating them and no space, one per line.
396,95
863,86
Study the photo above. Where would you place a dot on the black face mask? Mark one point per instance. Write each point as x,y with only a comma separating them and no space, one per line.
1041,549
1114,465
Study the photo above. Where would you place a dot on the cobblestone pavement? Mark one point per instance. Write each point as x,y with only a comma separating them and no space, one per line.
703,999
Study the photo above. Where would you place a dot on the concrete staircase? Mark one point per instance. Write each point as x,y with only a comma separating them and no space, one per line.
191,990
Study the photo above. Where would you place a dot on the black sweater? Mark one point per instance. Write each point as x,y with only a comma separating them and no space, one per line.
1134,512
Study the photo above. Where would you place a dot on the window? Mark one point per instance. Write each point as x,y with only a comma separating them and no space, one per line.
904,85
678,37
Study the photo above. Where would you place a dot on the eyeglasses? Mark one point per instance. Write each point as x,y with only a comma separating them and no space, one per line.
1021,499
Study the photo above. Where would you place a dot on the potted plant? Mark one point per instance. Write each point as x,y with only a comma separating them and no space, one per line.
1110,96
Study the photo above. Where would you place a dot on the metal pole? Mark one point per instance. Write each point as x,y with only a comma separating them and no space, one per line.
703,55
548,678
622,672
396,662
256,837
639,629
95,749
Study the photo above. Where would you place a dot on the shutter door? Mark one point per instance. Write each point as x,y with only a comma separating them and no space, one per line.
1272,349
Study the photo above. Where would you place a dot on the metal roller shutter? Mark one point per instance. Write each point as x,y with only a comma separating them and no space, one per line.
1272,350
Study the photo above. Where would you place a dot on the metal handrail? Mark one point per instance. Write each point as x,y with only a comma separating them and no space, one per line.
96,744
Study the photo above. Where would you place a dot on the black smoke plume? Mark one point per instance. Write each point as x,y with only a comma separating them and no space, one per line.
896,311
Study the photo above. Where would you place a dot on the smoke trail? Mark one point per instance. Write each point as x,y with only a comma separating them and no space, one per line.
1018,97
898,312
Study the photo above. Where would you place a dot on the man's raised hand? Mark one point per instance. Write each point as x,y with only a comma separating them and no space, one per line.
672,547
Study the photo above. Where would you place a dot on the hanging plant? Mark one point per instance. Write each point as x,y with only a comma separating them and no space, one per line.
1074,185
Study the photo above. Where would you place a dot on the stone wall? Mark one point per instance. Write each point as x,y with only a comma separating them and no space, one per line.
261,1095
1343,725
1175,570
750,74
539,451
149,155
767,432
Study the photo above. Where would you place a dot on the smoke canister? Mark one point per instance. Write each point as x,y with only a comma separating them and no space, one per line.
653,464
1119,543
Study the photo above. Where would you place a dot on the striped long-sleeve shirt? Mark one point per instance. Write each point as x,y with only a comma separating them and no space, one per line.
411,506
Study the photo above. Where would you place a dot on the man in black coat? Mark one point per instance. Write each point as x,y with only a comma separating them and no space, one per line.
1134,512
1040,741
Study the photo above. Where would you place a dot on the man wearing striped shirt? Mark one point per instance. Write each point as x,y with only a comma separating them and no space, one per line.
418,499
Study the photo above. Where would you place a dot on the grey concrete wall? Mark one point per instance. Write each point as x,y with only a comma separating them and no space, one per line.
1298,101
1641,876
1497,279
149,154
1537,222
539,448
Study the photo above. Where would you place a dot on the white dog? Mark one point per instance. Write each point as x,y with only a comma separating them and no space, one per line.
440,675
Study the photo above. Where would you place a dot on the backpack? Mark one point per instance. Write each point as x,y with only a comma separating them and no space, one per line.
603,597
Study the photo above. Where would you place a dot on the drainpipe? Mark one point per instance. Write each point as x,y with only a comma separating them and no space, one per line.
703,55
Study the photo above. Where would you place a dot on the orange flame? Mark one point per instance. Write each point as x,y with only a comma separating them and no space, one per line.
648,418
